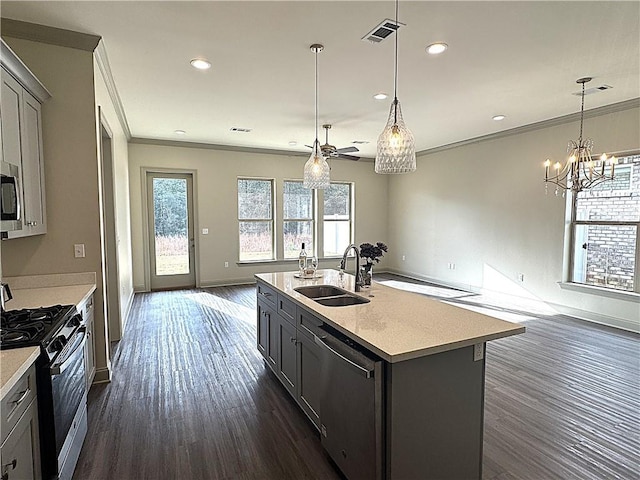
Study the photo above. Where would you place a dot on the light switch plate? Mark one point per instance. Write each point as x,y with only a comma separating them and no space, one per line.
78,250
205,231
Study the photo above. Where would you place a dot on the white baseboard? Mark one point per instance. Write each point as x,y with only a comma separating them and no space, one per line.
103,375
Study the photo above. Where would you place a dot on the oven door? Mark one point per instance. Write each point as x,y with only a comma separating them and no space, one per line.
68,385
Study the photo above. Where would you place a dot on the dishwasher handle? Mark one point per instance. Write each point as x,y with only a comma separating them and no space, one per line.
365,372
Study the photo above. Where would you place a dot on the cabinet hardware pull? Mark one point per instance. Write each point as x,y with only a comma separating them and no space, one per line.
265,294
23,395
5,468
293,340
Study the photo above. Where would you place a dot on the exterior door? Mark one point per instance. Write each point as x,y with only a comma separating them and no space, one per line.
171,231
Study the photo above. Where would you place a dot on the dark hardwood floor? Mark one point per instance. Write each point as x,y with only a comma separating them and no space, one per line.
191,398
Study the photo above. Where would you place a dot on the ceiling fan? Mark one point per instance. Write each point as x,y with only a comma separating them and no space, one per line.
329,150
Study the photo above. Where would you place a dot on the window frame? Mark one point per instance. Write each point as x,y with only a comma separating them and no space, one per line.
312,219
572,225
351,219
271,221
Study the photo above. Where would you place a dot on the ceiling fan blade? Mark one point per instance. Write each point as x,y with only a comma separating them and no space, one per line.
308,146
348,157
347,150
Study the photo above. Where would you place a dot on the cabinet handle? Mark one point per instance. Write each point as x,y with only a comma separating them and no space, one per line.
265,294
23,395
5,468
32,224
293,340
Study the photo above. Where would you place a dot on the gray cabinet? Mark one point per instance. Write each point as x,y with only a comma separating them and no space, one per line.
20,450
21,119
289,351
86,310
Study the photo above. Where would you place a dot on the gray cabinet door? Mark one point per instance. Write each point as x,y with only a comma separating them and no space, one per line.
264,314
287,366
309,377
20,452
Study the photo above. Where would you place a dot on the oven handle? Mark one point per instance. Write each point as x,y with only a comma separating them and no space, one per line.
58,368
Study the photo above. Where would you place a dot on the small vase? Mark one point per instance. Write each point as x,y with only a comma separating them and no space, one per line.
367,274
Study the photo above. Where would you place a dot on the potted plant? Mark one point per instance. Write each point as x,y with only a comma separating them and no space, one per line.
370,254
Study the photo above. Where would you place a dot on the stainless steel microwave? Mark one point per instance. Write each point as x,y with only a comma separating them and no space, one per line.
11,217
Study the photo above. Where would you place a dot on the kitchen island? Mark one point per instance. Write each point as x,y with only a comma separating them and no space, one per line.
409,401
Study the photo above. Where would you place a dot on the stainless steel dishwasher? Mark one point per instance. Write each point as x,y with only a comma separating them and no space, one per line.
351,406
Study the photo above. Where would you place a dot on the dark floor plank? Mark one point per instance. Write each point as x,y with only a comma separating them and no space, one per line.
191,399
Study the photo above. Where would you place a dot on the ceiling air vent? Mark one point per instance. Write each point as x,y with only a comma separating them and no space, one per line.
589,91
237,129
382,30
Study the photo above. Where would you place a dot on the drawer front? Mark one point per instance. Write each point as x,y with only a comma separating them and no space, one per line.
308,324
17,400
287,309
267,293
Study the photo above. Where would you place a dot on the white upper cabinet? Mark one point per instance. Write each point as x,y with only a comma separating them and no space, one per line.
21,126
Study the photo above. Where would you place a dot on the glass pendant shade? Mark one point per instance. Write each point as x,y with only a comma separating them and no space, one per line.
396,148
316,170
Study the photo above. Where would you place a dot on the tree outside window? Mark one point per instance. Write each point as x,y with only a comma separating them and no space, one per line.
298,218
337,219
255,219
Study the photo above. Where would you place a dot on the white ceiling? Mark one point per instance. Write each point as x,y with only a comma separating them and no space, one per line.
520,59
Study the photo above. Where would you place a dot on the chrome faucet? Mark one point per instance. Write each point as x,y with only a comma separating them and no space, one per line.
343,264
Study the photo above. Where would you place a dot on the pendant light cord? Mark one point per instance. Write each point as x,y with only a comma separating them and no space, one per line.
315,145
581,115
395,78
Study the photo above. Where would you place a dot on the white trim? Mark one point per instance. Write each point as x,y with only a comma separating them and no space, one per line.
598,318
601,291
100,54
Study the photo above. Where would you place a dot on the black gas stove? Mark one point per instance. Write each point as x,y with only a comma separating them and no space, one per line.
60,332
47,327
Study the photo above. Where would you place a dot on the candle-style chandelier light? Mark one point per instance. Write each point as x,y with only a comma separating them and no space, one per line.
580,172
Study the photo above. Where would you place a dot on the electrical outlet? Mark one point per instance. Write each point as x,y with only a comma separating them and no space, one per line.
226,264
78,250
205,231
478,352
521,277
451,266
404,257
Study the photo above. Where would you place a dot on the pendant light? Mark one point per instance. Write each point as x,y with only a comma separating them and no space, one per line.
316,170
396,151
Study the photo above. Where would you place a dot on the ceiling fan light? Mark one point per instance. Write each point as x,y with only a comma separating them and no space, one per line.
316,170
396,151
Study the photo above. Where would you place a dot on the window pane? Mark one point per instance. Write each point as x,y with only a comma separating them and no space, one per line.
337,204
337,237
297,201
171,223
295,233
615,200
254,199
604,255
256,241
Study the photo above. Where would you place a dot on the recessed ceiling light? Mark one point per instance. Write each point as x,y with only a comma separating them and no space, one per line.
497,118
201,64
380,96
293,143
436,48
179,132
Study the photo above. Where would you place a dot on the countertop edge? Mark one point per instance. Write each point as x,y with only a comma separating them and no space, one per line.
20,371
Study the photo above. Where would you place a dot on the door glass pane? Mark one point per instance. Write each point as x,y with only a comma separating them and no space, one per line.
171,222
604,255
256,241
295,233
336,238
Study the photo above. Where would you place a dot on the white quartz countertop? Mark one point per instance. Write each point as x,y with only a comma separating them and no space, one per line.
48,296
13,364
396,325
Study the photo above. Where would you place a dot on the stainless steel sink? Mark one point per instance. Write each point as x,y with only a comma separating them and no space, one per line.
331,296
341,301
319,291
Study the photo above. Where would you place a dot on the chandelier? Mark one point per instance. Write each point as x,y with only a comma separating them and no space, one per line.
580,172
396,152
316,170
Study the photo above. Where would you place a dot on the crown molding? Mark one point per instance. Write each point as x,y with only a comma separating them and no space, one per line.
102,61
50,35
21,72
572,117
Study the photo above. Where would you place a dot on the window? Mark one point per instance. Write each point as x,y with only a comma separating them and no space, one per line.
298,218
255,219
605,225
337,218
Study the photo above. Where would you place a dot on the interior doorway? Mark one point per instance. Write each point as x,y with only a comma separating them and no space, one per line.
171,230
